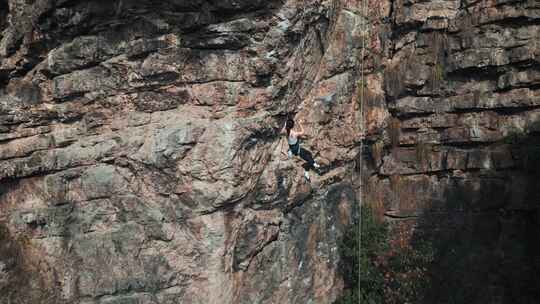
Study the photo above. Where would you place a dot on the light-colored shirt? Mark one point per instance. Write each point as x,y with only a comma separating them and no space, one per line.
292,139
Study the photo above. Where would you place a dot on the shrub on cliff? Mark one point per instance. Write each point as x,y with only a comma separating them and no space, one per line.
391,270
373,243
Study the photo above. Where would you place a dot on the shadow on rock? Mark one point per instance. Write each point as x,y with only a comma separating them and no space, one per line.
484,233
20,279
476,242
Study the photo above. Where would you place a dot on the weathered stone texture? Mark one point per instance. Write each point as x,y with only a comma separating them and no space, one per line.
454,155
140,160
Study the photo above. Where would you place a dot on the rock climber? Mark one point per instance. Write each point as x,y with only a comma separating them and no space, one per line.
293,138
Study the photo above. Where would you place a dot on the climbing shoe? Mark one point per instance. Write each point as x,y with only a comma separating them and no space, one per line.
316,166
306,175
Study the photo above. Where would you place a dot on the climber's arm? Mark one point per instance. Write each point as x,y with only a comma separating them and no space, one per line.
283,130
301,132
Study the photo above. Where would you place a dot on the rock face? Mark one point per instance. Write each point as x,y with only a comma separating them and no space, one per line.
141,161
451,100
140,155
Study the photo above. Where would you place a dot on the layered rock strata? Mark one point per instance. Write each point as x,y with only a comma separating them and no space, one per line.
452,115
141,161
140,155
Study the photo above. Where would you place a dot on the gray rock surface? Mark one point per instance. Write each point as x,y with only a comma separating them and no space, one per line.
140,155
141,161
452,133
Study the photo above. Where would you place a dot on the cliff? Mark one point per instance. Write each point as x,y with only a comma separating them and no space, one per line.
140,154
452,107
141,160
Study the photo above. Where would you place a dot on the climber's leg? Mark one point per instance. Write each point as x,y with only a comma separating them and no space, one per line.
308,157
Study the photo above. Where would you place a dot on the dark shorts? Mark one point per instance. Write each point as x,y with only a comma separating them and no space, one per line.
295,149
304,154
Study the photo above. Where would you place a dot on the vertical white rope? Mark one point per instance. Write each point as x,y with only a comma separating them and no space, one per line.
360,161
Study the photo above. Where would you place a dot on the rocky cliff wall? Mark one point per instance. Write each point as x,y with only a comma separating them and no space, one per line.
452,128
140,160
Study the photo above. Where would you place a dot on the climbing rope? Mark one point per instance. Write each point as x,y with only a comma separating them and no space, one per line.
365,30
